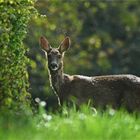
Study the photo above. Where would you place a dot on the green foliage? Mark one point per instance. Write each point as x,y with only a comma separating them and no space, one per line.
116,24
104,35
14,17
85,124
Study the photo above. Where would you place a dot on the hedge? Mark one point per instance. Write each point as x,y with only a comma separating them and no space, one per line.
14,18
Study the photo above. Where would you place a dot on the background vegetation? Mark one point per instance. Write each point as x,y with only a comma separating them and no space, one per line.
105,38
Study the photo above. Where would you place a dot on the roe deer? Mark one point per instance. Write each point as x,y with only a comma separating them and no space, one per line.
114,90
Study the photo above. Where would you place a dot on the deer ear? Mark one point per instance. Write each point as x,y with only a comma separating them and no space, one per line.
65,44
44,44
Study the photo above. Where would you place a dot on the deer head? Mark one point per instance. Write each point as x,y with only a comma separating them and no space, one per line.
55,55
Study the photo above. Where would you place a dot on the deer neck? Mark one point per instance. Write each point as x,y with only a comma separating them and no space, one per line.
56,80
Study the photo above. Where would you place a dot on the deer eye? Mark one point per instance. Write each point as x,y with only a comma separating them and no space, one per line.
59,56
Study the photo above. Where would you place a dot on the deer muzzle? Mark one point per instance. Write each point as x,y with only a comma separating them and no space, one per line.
54,66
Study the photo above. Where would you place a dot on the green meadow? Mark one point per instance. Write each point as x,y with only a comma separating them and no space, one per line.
85,124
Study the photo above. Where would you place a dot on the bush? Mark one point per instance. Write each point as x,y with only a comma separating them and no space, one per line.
14,17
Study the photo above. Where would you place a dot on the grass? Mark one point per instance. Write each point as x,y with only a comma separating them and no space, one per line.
86,124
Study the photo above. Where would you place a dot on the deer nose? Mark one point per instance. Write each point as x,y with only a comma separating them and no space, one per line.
54,66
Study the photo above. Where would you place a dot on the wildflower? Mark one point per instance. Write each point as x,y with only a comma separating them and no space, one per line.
46,117
42,103
37,100
82,116
111,112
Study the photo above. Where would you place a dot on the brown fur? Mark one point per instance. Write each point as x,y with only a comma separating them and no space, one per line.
113,90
